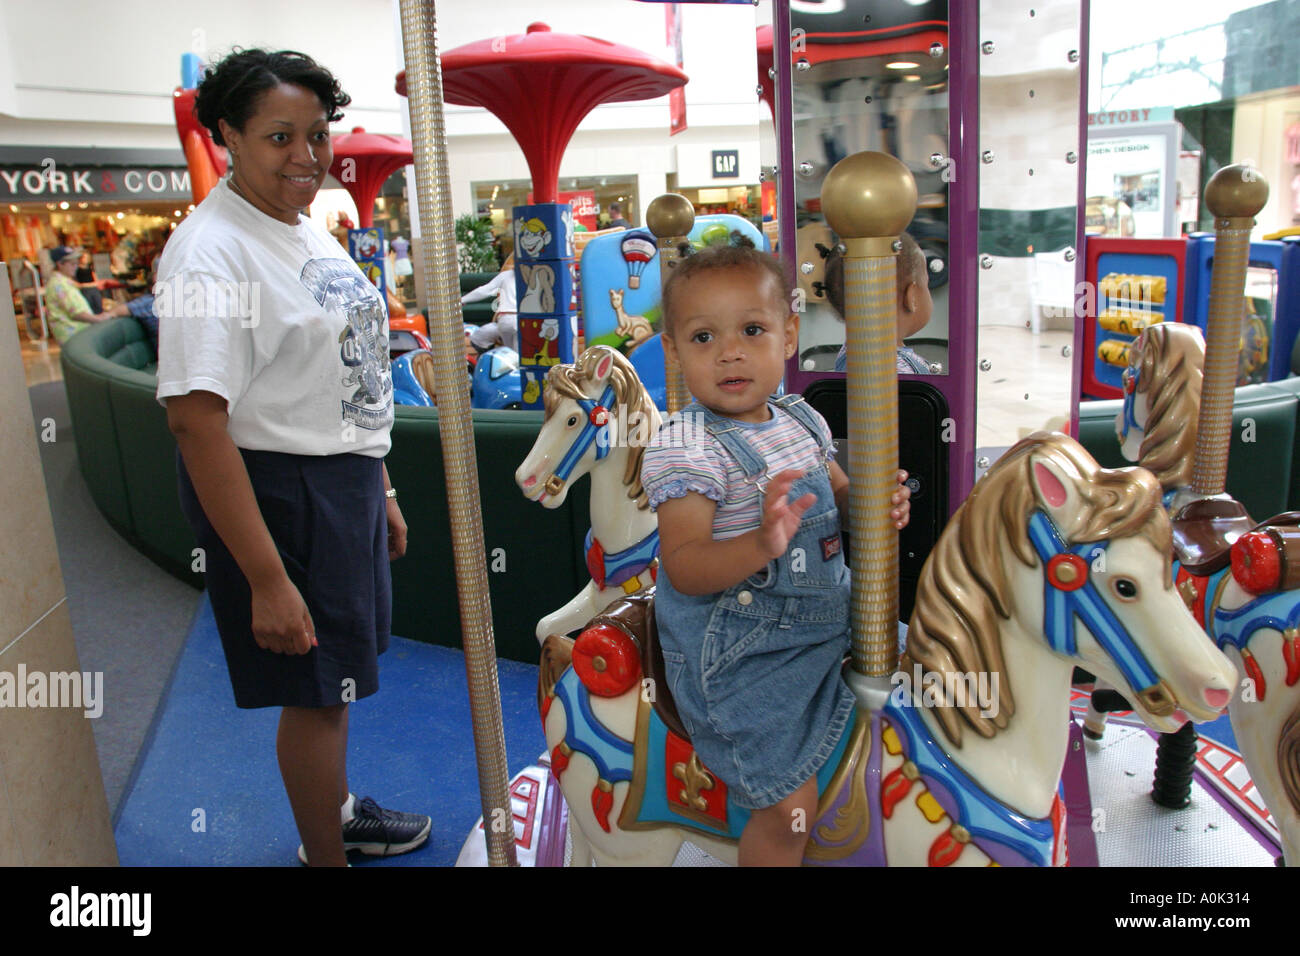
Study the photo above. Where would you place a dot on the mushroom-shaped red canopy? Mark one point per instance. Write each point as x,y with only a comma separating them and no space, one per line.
362,161
541,84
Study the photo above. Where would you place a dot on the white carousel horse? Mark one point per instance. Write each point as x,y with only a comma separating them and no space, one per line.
599,419
1009,600
1260,632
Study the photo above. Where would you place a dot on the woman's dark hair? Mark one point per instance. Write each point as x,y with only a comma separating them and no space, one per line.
230,89
739,254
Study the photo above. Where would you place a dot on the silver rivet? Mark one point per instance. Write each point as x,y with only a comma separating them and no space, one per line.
986,47
1069,255
1071,157
1073,56
936,368
806,268
936,265
806,168
896,246
982,462
986,261
1067,350
986,156
985,365
771,73
745,598
758,91
936,49
803,66
809,365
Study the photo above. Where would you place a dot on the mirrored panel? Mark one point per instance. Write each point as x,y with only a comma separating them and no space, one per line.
1029,190
872,76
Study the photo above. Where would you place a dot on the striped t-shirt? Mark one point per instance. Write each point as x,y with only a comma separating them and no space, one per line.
684,458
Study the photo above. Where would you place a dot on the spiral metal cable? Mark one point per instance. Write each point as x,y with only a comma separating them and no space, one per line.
424,85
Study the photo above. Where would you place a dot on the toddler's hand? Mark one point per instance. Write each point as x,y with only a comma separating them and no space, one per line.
902,513
781,516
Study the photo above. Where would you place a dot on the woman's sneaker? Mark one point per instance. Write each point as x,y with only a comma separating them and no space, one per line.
375,831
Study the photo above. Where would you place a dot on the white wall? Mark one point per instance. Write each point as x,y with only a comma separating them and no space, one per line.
80,73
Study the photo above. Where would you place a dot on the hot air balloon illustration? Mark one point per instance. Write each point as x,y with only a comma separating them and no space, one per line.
638,249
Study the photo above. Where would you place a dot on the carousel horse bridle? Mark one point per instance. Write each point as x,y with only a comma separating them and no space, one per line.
598,418
1069,592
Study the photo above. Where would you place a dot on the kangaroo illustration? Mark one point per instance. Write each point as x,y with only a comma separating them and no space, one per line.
633,327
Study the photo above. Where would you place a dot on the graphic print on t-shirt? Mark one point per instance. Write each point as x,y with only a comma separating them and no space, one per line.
363,348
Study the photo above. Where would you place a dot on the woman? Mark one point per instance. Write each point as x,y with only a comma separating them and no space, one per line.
69,310
274,370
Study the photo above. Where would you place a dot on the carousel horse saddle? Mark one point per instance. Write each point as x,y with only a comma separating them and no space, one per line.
1204,532
634,615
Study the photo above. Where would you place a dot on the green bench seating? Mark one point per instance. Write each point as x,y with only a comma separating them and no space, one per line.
127,455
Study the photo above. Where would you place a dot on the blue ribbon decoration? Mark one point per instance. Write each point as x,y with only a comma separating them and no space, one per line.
1061,607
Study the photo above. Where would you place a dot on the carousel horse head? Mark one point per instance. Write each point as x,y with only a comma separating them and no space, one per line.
1162,396
596,409
1058,546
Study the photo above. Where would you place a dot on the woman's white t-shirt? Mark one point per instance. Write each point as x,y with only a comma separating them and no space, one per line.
278,321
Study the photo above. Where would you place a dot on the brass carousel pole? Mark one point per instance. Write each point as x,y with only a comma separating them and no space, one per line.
1234,196
424,85
868,199
670,217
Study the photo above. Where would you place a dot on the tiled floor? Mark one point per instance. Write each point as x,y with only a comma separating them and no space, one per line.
40,360
1027,385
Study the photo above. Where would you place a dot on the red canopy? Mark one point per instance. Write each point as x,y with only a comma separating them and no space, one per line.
541,84
362,161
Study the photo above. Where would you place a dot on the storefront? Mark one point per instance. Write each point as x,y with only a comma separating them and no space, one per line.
118,204
590,196
720,178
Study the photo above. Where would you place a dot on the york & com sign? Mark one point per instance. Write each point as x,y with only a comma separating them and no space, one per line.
50,180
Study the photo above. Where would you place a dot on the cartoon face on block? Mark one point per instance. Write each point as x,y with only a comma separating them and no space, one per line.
368,245
550,329
532,237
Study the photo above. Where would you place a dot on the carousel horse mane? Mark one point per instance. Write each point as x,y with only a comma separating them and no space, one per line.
569,381
1169,366
965,591
1288,758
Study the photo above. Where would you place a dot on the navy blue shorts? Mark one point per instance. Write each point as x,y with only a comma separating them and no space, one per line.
326,515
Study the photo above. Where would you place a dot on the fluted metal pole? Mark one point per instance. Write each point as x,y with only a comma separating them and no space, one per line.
433,187
1234,195
670,217
868,199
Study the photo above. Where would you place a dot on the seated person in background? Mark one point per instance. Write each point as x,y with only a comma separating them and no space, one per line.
914,304
69,312
502,329
141,307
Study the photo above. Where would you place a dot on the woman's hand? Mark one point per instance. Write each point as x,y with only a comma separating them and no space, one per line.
781,516
396,530
902,498
281,621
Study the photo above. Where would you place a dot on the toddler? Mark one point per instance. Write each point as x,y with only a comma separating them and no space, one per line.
752,602
914,304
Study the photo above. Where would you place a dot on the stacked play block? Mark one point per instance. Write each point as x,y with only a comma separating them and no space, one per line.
546,279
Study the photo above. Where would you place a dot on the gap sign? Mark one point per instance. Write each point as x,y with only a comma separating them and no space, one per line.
726,164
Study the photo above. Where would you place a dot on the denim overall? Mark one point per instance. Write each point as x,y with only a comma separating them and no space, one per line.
755,669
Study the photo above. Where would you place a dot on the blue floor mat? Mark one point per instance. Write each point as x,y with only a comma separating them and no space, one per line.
208,790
